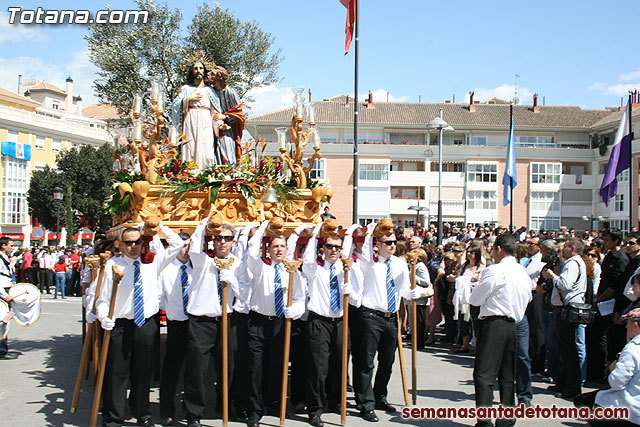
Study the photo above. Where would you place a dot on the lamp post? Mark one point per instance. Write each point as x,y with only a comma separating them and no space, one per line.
591,219
439,124
58,194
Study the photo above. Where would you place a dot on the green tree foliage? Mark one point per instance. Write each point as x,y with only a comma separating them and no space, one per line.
130,56
243,48
85,173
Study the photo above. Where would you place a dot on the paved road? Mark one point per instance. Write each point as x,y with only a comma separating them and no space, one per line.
37,387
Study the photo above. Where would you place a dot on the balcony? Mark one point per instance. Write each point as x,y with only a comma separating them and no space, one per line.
420,178
401,206
578,181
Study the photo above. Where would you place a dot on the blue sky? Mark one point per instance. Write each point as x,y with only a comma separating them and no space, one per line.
570,52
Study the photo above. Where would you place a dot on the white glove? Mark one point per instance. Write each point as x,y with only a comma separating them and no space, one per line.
346,288
300,229
228,277
205,221
417,293
370,227
108,323
246,230
316,229
351,229
91,317
290,313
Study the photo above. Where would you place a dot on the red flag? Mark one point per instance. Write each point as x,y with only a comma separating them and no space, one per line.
351,21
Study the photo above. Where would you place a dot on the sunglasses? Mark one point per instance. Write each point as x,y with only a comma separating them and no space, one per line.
223,238
389,242
630,243
333,247
132,242
593,255
457,251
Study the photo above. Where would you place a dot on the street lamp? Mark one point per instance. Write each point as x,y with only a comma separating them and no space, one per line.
418,209
592,218
439,124
58,194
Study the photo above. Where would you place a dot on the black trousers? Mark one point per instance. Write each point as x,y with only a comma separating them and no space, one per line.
204,341
240,381
324,354
495,358
297,357
266,343
569,379
130,359
44,279
596,343
379,335
174,356
421,326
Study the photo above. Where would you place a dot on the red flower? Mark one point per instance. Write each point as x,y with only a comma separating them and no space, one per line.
179,177
170,174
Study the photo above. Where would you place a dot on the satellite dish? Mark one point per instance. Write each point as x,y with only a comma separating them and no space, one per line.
516,101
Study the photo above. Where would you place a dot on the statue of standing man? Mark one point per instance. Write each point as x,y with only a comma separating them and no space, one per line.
196,108
227,145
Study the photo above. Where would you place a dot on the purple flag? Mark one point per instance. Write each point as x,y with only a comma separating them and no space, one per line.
619,160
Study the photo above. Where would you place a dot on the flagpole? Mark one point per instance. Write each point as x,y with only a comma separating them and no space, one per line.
355,121
631,203
511,178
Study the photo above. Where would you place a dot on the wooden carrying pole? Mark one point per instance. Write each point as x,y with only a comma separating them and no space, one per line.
413,260
402,373
117,276
224,264
92,332
346,265
292,267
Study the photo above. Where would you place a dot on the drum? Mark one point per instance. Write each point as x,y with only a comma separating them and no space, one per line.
25,304
4,317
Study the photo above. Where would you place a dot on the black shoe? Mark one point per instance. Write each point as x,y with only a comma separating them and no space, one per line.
145,422
167,421
195,422
383,405
567,395
253,420
526,403
316,421
9,356
369,416
555,388
349,388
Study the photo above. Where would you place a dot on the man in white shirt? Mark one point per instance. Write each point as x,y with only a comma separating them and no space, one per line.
134,329
265,327
174,285
44,277
503,293
205,315
385,281
6,281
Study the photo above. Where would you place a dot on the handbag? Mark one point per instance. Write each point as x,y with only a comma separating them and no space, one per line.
577,312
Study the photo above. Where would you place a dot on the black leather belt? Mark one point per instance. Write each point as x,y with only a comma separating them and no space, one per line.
490,318
255,313
384,314
314,315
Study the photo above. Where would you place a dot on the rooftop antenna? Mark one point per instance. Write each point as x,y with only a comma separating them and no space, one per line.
515,96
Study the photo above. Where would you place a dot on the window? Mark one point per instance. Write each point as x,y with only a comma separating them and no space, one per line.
458,167
39,143
620,224
546,173
545,223
478,140
482,200
448,167
55,106
535,141
624,176
55,145
482,173
374,172
545,201
13,136
366,220
317,171
618,204
14,189
458,140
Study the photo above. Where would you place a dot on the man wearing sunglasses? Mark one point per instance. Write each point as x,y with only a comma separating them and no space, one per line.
385,281
204,308
134,329
269,287
326,291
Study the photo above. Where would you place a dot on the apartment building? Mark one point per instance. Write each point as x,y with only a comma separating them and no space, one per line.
561,155
34,128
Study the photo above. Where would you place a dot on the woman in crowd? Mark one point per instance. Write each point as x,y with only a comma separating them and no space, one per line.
472,268
435,265
445,292
423,280
61,276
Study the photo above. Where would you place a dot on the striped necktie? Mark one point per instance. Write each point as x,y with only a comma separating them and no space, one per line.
138,296
278,293
219,289
184,280
391,289
335,290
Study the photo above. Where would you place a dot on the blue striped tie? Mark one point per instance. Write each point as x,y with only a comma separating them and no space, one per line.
391,289
184,279
335,290
138,296
219,289
278,293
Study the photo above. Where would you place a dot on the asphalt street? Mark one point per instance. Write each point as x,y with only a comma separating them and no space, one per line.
36,388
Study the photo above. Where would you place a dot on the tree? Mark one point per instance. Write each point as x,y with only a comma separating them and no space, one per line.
240,47
131,56
40,196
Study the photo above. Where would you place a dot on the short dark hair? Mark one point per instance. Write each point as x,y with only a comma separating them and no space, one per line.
184,236
507,242
129,230
634,234
575,242
5,240
614,234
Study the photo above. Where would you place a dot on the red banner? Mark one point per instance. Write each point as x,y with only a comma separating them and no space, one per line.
13,236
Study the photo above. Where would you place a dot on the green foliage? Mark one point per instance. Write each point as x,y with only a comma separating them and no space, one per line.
40,196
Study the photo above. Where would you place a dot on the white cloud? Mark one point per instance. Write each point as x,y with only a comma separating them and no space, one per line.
18,32
598,87
505,92
630,76
620,89
269,98
381,95
83,73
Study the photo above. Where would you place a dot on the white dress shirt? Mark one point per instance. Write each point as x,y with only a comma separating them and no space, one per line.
318,282
504,289
6,274
203,292
149,272
374,282
262,286
171,287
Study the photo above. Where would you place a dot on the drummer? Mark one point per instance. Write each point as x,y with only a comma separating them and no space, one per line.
6,281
